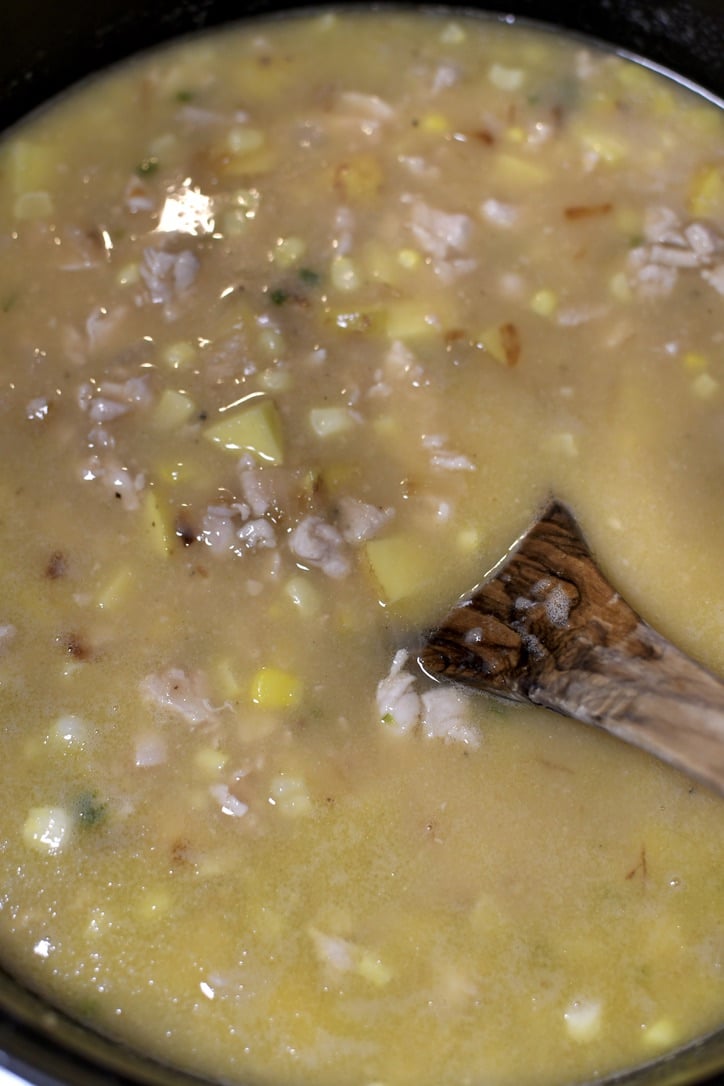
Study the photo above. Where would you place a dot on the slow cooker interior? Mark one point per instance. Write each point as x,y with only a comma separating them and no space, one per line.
49,46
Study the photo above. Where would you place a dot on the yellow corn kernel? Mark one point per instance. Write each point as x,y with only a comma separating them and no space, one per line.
661,1035
179,356
329,421
706,192
468,540
275,379
288,251
705,387
209,761
604,145
290,795
47,829
128,276
409,259
270,342
434,123
273,688
518,172
695,361
343,274
242,140
619,287
173,409
254,426
116,589
371,968
154,904
544,303
359,178
303,594
400,564
504,78
453,34
564,443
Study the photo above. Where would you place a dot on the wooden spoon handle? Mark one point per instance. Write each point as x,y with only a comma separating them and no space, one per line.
548,628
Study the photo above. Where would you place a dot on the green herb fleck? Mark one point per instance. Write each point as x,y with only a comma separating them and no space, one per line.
184,96
8,302
389,720
89,810
309,276
278,296
147,167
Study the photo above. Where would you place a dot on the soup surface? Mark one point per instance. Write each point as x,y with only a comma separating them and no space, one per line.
302,323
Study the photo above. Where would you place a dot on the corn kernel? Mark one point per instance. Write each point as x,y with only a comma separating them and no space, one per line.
290,795
173,409
544,303
179,356
453,34
273,688
619,287
242,140
47,829
343,274
128,276
507,79
704,386
409,259
434,123
209,761
288,251
695,361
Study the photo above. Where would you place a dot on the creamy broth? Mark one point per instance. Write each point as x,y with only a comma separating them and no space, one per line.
302,323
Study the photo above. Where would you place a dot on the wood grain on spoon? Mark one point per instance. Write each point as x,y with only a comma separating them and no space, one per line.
548,628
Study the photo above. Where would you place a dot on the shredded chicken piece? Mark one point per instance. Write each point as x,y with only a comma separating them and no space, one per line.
670,247
116,478
185,695
168,275
439,713
359,520
439,233
320,544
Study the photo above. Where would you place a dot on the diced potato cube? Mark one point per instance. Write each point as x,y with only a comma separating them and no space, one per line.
33,205
30,166
274,688
155,521
328,421
115,590
400,564
47,829
408,319
706,192
502,342
173,409
705,386
254,427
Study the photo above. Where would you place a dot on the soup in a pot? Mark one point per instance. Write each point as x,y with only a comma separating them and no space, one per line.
302,323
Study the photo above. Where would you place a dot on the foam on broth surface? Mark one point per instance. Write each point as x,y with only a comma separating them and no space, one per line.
301,324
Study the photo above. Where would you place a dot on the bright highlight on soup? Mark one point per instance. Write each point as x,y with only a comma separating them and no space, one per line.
302,323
